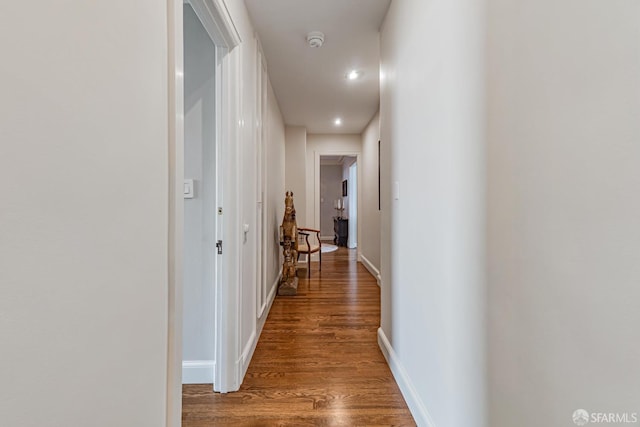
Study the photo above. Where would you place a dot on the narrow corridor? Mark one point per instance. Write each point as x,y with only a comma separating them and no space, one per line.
317,362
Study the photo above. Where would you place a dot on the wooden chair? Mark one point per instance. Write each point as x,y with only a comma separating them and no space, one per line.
309,245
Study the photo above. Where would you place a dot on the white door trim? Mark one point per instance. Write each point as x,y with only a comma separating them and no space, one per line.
216,19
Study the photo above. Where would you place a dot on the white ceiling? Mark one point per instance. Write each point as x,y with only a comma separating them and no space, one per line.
310,83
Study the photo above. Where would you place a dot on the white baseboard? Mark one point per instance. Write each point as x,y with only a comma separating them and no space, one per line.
372,268
252,342
416,405
198,371
247,352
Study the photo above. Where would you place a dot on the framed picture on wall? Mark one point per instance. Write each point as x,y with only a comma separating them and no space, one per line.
344,188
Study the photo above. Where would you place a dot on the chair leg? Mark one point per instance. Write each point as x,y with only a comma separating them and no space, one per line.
320,255
309,266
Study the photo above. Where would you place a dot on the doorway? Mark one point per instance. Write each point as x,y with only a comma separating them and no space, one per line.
200,201
196,117
214,17
337,197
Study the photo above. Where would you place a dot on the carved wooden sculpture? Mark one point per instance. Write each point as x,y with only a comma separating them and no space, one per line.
289,242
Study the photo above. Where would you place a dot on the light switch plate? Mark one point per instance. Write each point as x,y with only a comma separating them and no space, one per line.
188,189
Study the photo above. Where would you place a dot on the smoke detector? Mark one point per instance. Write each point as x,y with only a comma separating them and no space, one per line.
315,39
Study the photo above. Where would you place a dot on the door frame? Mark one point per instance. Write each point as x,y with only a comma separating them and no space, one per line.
316,185
217,21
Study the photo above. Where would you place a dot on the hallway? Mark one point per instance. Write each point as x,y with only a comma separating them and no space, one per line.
317,362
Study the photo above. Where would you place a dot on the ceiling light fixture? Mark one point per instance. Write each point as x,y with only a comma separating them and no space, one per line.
354,74
337,121
315,39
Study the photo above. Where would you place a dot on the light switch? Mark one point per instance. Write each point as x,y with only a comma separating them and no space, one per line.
188,189
396,190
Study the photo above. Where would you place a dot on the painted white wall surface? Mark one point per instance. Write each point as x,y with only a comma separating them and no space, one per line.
275,189
432,128
330,191
369,216
296,172
84,214
564,228
324,144
200,211
246,56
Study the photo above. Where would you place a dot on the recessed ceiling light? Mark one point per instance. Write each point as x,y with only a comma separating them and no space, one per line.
337,121
354,75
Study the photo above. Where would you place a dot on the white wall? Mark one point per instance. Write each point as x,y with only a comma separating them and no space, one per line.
84,190
431,125
199,212
564,230
275,188
330,191
369,216
84,251
317,145
296,172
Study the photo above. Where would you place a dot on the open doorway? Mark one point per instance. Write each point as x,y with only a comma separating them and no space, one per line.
214,16
200,201
338,200
201,331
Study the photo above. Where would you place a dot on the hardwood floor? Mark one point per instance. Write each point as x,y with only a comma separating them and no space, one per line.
317,362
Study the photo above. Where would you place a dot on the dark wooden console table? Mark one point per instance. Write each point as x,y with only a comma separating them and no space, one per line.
340,231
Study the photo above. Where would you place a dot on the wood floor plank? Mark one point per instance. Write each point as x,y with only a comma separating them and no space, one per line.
317,362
